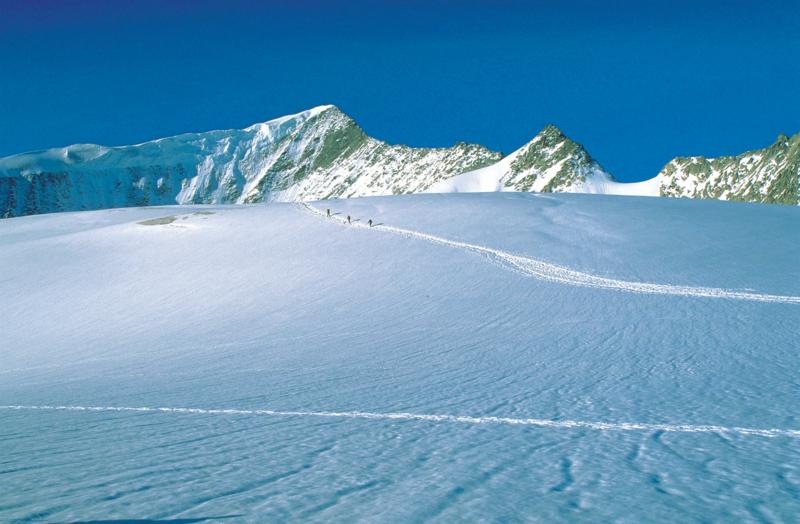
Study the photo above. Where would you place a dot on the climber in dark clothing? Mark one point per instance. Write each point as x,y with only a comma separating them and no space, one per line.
348,219
329,212
369,222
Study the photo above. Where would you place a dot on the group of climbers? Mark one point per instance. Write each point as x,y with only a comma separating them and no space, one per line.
349,220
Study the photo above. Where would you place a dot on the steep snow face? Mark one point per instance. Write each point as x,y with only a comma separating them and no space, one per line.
319,153
549,163
768,175
488,357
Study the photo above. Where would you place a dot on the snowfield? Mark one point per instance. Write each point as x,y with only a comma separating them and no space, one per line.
505,356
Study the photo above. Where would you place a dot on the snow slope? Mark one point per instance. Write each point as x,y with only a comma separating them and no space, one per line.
506,356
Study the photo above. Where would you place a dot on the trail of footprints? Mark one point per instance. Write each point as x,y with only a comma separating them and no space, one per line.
418,417
528,266
554,273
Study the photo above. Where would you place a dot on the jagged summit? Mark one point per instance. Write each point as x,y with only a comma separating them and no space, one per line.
550,132
785,140
550,162
771,175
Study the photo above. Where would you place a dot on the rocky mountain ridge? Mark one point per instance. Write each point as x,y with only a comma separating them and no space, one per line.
322,153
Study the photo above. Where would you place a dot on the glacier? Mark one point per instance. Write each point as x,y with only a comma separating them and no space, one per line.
473,356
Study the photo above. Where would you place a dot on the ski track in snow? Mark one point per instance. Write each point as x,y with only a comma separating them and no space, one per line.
554,273
460,419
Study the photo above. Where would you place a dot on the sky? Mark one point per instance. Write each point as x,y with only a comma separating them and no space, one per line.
637,83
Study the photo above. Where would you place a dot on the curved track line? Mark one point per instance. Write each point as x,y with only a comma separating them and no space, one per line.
542,423
562,275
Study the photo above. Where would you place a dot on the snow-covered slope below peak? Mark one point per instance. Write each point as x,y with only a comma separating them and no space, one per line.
600,183
266,363
484,180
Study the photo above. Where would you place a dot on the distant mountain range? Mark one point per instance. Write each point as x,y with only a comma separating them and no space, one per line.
322,153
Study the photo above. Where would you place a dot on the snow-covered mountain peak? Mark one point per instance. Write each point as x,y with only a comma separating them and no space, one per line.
550,162
315,154
550,133
297,118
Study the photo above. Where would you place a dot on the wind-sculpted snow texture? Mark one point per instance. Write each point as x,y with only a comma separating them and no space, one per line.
260,363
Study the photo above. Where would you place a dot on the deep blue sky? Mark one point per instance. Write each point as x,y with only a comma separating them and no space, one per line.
635,82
